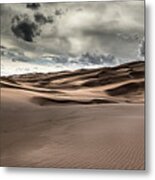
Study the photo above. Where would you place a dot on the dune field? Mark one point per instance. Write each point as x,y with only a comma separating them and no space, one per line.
90,118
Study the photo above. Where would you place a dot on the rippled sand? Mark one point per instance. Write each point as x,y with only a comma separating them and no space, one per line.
80,119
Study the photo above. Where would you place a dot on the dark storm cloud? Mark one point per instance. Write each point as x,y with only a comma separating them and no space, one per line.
33,6
42,19
75,28
24,28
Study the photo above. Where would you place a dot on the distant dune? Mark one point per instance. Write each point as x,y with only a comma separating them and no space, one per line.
124,83
82,119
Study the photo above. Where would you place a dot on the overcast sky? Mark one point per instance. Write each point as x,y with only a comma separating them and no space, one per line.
73,28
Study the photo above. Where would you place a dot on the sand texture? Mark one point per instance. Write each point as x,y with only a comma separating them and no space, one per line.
82,119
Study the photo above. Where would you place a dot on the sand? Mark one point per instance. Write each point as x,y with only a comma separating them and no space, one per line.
74,119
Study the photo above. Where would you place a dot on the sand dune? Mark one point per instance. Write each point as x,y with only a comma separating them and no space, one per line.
124,83
82,119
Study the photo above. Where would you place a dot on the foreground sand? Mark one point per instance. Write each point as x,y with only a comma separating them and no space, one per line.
73,125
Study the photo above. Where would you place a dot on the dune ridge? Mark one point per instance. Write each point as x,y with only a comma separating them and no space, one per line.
124,83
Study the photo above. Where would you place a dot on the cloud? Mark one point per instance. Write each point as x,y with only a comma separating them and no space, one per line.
142,49
42,19
59,12
24,28
27,28
75,28
33,6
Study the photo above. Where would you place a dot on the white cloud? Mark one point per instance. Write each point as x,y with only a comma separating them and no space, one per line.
94,27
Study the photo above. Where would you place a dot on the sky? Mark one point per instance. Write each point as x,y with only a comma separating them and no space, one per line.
73,29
